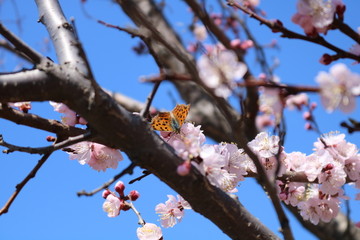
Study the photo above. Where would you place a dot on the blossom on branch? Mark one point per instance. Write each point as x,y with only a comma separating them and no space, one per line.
149,232
315,16
338,88
172,211
70,117
98,156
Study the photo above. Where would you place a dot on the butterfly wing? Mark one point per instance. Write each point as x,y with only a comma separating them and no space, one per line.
180,113
162,122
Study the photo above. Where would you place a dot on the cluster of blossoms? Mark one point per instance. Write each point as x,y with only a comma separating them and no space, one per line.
316,16
98,156
114,203
333,161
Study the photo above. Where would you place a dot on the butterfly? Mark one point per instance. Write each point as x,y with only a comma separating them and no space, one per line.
171,121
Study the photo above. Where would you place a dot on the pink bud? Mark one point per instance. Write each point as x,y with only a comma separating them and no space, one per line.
308,126
106,193
184,168
133,195
307,115
119,188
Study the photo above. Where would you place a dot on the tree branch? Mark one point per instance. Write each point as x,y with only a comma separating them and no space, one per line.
32,54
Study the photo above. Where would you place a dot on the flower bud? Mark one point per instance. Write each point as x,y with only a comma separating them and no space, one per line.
184,168
326,59
119,188
133,195
106,193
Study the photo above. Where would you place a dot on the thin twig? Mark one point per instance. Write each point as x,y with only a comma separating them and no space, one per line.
20,45
20,186
128,170
35,121
43,150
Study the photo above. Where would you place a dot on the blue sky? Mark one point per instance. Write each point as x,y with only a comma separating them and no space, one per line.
48,207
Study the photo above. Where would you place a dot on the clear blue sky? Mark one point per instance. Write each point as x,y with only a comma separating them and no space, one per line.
48,207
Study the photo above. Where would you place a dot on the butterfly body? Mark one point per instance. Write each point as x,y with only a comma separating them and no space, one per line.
171,121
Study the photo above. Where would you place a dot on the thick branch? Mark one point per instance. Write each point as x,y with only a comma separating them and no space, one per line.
62,35
27,85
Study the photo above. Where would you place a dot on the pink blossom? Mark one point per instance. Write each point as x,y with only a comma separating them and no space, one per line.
315,15
313,166
336,145
212,166
172,211
352,168
295,161
236,160
338,88
271,103
265,146
98,156
188,142
264,120
149,232
70,117
112,205
291,193
309,210
219,70
297,101
332,177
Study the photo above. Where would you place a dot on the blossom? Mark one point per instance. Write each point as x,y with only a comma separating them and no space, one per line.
295,161
297,101
219,69
338,88
271,103
265,146
213,165
112,205
187,143
332,177
336,145
315,16
98,156
70,117
172,211
149,232
291,193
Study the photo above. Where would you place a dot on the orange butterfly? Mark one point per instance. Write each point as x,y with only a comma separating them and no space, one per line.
171,121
